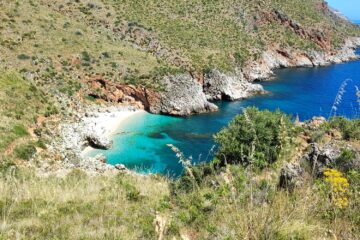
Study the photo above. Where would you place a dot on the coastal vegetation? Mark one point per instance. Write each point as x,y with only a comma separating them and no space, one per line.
270,177
21,103
232,197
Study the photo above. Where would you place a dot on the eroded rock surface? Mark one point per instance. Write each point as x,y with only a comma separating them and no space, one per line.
330,156
183,96
291,175
219,86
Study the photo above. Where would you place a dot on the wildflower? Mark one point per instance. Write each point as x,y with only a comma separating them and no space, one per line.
339,187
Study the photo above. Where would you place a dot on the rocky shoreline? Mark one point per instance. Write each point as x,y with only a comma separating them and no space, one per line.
183,95
188,93
93,129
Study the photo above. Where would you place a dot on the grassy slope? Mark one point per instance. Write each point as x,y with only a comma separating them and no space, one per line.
20,105
79,207
67,40
41,38
233,203
125,207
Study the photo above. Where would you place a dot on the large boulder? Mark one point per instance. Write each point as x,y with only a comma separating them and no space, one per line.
291,175
97,141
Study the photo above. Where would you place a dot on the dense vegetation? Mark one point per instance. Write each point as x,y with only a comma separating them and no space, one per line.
255,138
215,200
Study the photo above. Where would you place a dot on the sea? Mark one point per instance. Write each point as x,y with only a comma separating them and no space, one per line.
142,142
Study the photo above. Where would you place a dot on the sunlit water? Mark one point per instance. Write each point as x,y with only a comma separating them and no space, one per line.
141,142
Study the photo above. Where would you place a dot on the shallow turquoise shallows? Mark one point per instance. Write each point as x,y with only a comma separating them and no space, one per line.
141,142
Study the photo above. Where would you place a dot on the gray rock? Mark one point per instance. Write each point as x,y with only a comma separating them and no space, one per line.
291,175
329,156
120,167
96,141
219,86
183,96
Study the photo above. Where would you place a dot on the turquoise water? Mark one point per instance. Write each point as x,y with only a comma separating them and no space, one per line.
141,143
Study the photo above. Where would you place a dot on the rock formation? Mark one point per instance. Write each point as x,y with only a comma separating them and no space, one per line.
219,86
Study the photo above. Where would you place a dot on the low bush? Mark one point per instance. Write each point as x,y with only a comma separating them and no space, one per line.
25,151
350,129
255,137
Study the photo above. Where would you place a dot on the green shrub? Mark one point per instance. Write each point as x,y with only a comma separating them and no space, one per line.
254,137
25,151
20,131
132,193
350,129
23,57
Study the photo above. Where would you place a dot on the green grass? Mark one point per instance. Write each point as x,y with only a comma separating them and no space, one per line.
20,104
68,41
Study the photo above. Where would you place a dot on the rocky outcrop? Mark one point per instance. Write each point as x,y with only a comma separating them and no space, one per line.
186,94
183,96
316,36
330,156
96,141
275,58
219,86
109,91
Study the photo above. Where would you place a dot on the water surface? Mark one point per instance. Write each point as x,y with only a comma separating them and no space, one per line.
141,143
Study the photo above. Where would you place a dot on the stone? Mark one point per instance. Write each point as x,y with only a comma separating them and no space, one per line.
291,175
101,158
183,96
219,86
120,167
98,142
328,156
314,123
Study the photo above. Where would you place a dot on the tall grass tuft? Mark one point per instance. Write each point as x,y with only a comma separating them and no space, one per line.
358,98
338,98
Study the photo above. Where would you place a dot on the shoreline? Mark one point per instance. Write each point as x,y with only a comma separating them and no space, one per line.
106,124
97,124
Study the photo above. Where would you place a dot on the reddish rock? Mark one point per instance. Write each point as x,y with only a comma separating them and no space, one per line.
120,93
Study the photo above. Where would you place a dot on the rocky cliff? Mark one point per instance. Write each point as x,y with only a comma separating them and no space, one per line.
172,59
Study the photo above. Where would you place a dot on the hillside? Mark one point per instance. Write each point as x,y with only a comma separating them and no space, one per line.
82,47
271,177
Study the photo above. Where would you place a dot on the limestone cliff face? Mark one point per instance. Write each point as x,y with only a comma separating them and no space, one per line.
275,58
182,95
219,86
186,95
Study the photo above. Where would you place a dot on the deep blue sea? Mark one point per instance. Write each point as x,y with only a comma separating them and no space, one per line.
141,142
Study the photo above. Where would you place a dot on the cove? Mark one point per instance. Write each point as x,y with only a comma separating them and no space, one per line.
141,142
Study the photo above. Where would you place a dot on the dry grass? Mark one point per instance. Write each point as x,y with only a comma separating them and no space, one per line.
79,207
